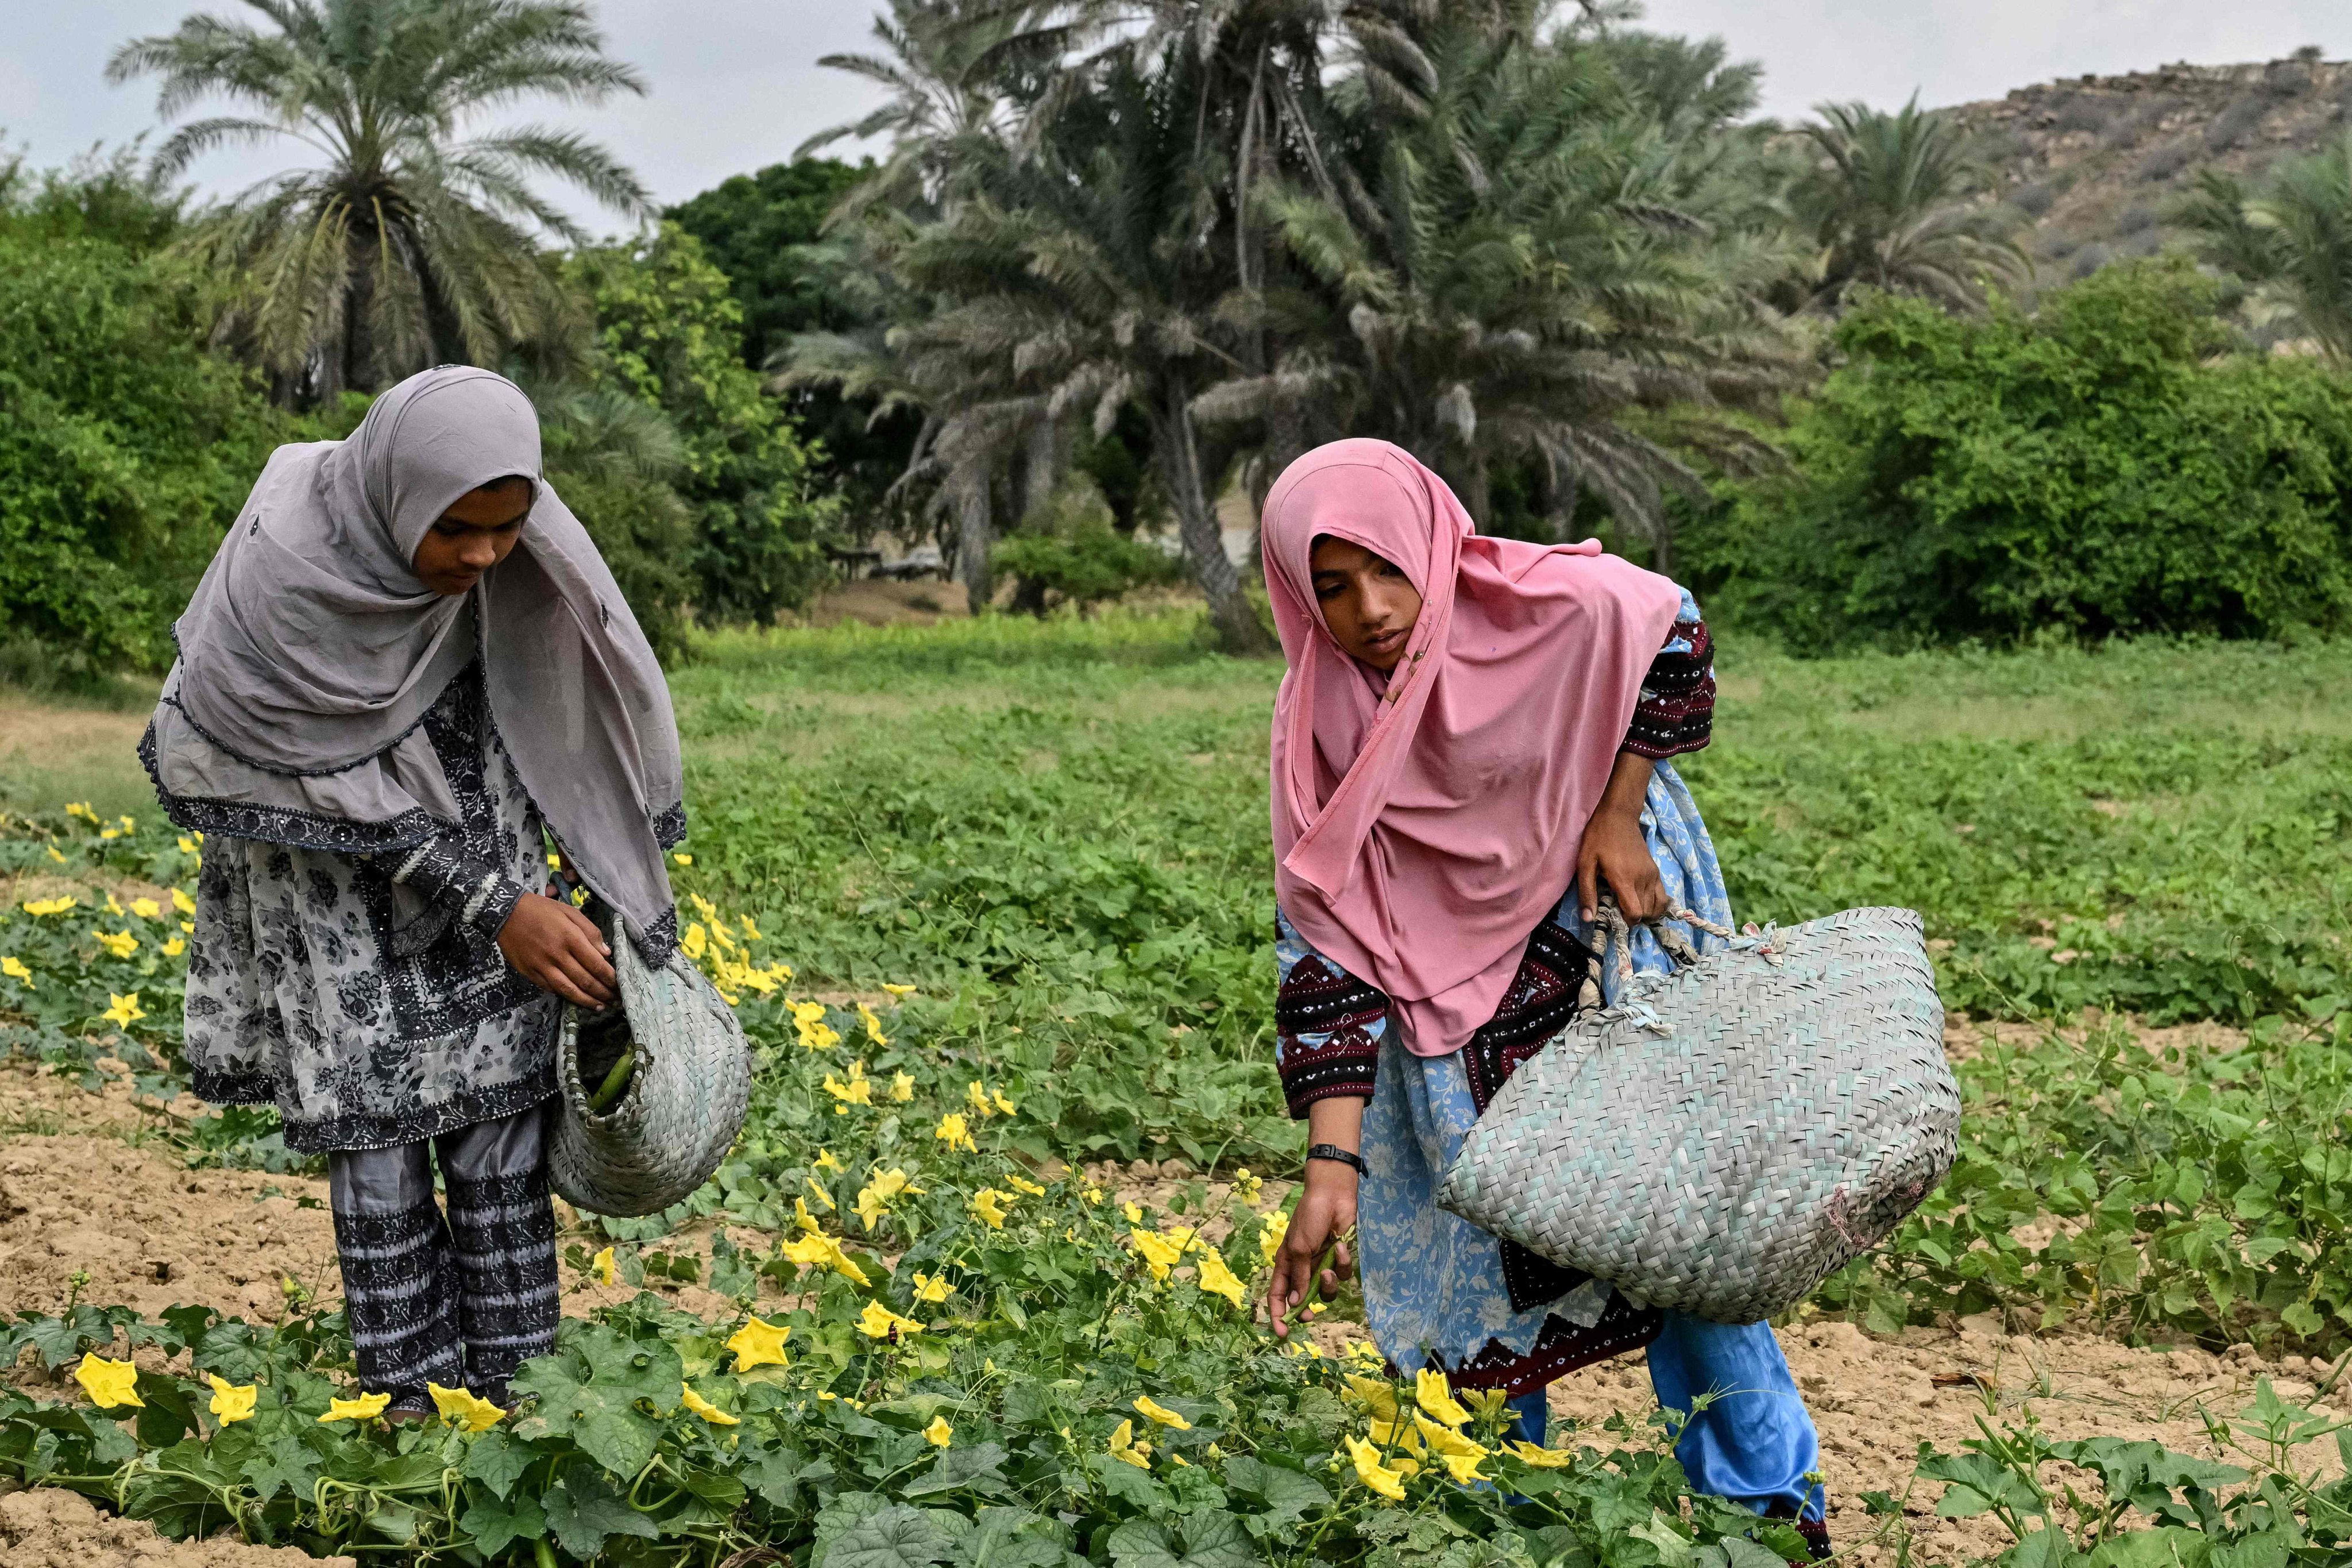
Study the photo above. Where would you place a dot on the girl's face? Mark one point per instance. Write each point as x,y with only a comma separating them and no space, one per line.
476,533
1368,603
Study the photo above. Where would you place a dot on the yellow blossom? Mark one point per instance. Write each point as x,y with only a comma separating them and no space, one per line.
128,825
1432,1393
825,1160
704,1408
1032,1188
173,948
1219,1280
113,905
823,1252
872,1025
873,1198
682,860
879,1323
1365,1354
752,932
182,903
801,1216
600,1266
56,906
695,942
110,833
1157,1254
953,1131
1123,1446
1487,1403
858,1091
54,855
930,1288
1374,1394
1159,1415
822,1195
896,990
187,845
1463,1468
939,1434
188,927
808,1018
1443,1439
14,968
123,1011
977,1098
232,1402
146,909
1003,1104
83,809
109,1384
120,944
366,1407
902,1087
989,1204
1269,1240
759,1344
1092,1194
1133,1212
462,1408
1544,1459
1385,1481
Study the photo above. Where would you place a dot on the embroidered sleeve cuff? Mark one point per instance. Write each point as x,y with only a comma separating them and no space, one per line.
1340,1065
480,894
489,901
1676,712
1327,1030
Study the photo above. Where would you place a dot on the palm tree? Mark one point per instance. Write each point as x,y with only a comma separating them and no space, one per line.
1520,289
404,243
2292,240
1892,203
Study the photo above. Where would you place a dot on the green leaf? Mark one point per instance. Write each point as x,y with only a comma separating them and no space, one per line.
894,1536
1674,1547
1210,1540
2171,1547
980,1467
584,1513
281,1460
1287,1494
495,1524
589,1390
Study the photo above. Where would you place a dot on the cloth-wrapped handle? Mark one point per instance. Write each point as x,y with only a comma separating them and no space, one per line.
1617,935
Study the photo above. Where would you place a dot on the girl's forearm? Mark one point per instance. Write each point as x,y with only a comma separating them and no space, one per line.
1337,1120
1629,784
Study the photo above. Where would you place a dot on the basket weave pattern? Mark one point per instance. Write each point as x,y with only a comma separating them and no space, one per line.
684,1105
1729,1135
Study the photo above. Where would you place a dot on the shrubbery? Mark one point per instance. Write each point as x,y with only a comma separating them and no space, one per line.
2099,467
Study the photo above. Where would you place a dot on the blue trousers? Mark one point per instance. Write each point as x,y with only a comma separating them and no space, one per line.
1754,1443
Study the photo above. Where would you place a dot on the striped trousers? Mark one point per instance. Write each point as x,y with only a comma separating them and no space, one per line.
461,1302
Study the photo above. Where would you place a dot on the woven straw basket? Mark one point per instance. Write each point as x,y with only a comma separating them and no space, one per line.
685,1101
1729,1135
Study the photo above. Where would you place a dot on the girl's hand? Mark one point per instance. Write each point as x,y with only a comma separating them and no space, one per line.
1614,849
558,949
1325,1213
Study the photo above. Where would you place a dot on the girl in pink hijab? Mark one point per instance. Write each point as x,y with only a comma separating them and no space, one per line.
1469,748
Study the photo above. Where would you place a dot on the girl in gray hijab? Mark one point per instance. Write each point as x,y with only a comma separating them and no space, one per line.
406,667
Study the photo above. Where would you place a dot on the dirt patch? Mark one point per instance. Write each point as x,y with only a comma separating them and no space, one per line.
47,1528
1965,1037
878,602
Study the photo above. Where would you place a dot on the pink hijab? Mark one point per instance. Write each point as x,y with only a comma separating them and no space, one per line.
1425,822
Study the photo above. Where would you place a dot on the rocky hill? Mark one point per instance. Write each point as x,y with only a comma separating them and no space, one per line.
2097,164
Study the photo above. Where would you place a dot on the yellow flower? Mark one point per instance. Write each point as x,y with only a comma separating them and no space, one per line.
1463,1468
462,1408
1247,1187
176,946
1219,1280
123,1011
188,927
56,906
989,1204
977,1098
1003,1104
897,990
1093,1195
1488,1403
120,944
930,1288
872,1025
704,1408
873,1199
14,968
939,1434
879,1323
1544,1459
82,808
1374,1394
113,905
752,933
109,1384
953,1131
110,833
232,1402
1157,1254
823,1252
801,1216
54,855
366,1407
600,1266
187,845
759,1344
1159,1415
825,1162
1385,1481
128,825
1365,1354
682,859
808,1017
1032,1188
146,909
858,1091
822,1195
1432,1393
1443,1439
1133,1212
695,942
182,903
902,1087
1269,1240
1124,1447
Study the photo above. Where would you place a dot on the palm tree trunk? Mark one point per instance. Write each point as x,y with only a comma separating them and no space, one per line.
1238,628
970,490
1040,466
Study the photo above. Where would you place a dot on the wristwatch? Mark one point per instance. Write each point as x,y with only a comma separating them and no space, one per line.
1334,1152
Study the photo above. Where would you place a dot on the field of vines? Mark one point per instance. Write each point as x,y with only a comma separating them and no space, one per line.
992,899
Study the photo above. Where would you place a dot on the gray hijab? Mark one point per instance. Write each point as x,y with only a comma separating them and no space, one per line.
312,651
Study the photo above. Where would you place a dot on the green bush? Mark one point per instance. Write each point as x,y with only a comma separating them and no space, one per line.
125,449
1084,564
2099,467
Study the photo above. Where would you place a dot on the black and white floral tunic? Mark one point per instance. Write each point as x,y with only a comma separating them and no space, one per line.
365,996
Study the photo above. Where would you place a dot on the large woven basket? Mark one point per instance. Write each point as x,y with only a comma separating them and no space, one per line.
1726,1136
685,1101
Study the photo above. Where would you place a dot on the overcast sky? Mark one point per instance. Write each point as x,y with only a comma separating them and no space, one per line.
735,83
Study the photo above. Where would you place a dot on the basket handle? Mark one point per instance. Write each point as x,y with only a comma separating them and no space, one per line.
1617,935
